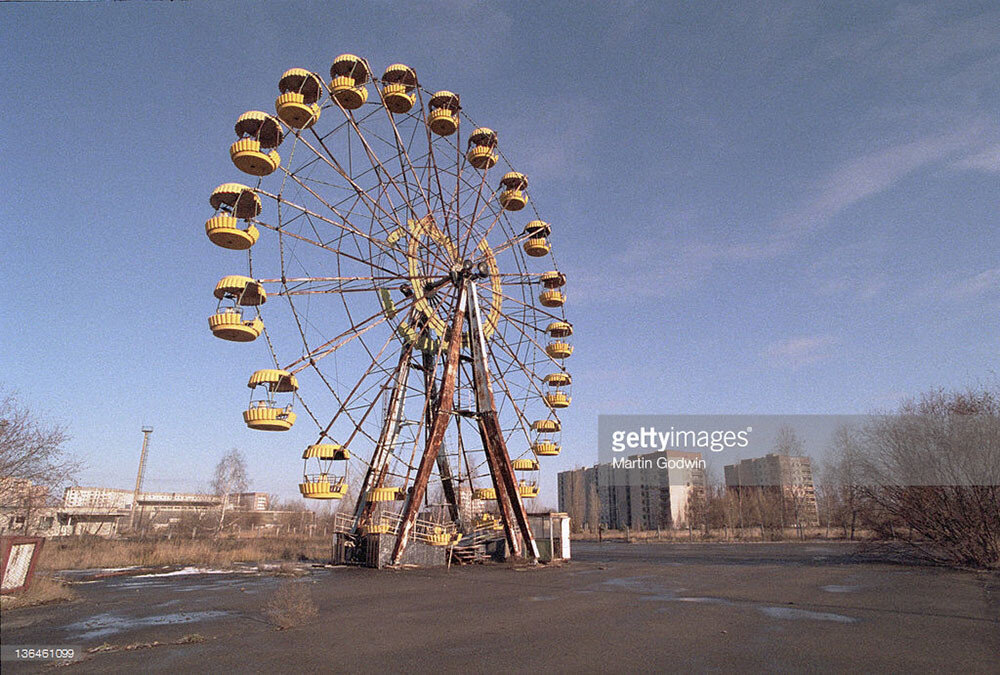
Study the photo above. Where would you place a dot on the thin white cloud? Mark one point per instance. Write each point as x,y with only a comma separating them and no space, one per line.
987,160
976,285
873,173
801,350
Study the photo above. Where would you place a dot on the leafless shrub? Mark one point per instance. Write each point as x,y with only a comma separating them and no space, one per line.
931,477
291,605
191,638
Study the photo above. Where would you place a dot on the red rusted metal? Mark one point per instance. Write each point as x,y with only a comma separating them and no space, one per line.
442,416
444,466
501,468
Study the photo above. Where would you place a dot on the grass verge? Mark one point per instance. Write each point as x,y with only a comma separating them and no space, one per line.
93,552
44,590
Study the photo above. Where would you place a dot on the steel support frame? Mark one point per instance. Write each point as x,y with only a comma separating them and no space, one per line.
512,512
442,417
497,457
379,465
443,465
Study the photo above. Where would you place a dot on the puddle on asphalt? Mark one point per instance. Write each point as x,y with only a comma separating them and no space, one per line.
650,592
699,600
641,584
103,625
793,614
705,601
541,598
836,588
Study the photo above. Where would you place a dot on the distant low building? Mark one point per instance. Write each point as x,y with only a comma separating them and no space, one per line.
104,511
786,477
636,492
116,498
97,498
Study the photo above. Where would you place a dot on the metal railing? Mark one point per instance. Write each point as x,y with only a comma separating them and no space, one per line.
389,523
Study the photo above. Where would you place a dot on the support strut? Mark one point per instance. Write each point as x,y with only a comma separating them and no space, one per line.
501,468
442,416
443,465
379,466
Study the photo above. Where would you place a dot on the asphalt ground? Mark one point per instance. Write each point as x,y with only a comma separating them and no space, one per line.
615,607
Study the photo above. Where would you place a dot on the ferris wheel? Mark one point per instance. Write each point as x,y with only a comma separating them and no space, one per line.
419,324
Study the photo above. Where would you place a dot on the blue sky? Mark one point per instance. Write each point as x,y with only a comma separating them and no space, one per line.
761,209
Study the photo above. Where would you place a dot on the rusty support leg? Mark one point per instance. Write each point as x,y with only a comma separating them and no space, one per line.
443,465
505,501
501,468
442,416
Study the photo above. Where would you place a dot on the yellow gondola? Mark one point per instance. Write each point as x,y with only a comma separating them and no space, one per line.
559,329
398,85
257,131
349,75
546,426
557,399
233,202
327,451
321,487
487,520
265,414
443,116
512,198
386,494
525,464
298,105
538,228
527,490
537,247
553,279
552,298
484,493
482,148
440,537
559,350
545,448
562,379
235,292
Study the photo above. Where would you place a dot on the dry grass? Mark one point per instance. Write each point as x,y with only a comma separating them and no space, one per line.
43,590
291,605
91,552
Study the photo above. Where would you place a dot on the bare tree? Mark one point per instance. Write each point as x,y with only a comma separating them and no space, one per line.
842,481
934,471
33,460
593,508
230,478
578,502
787,442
